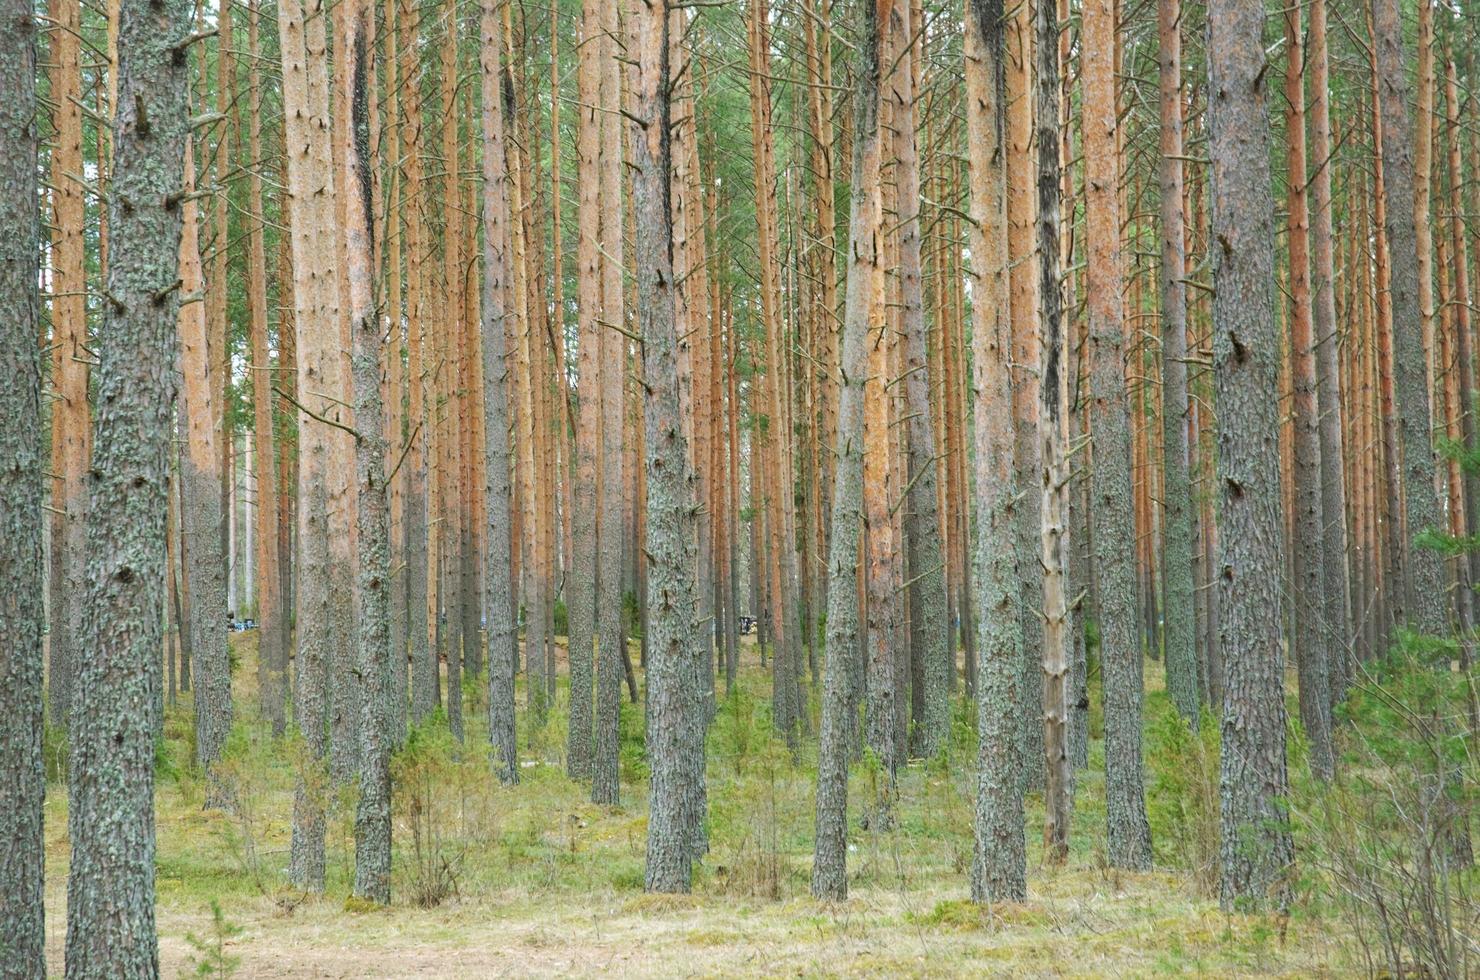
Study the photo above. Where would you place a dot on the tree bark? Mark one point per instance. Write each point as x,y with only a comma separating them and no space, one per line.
1422,594
1309,640
1334,558
110,886
865,278
1256,848
1129,833
999,869
675,721
22,492
373,650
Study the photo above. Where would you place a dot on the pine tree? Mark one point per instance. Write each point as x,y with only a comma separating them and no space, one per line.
22,489
1256,848
110,885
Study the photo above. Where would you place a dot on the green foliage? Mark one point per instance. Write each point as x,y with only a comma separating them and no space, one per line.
1183,799
212,959
562,618
434,780
248,773
55,752
1390,839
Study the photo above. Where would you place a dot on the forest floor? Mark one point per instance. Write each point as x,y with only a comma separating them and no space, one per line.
540,882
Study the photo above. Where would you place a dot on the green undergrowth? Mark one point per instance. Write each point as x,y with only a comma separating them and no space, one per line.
537,861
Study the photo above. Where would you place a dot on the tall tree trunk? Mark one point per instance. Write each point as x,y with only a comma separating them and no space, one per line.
1023,278
1337,586
71,425
205,562
317,347
22,491
929,626
865,279
611,643
503,637
110,885
1053,414
675,719
999,870
1422,594
1129,833
1181,651
425,673
372,534
1256,848
581,588
1308,583
780,517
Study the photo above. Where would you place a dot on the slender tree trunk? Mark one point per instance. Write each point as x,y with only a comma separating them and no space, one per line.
205,562
675,721
1337,586
22,492
1053,420
503,654
1023,279
317,347
581,590
929,625
1129,834
999,870
1181,652
372,534
865,279
425,673
110,885
1309,641
71,426
272,625
1256,848
1422,594
612,641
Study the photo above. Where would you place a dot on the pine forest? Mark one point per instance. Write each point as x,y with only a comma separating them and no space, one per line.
739,488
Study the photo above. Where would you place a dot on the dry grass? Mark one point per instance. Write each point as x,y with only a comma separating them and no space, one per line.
552,885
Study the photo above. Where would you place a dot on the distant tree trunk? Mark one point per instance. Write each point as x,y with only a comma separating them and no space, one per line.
1309,640
503,632
675,719
1023,278
110,885
1423,592
999,870
1129,837
22,492
611,643
1256,849
780,516
581,587
317,347
1337,586
1053,415
1181,650
205,563
425,672
71,425
372,533
930,627
865,275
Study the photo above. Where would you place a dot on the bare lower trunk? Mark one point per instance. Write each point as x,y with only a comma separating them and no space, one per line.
999,870
110,886
1256,847
22,490
829,862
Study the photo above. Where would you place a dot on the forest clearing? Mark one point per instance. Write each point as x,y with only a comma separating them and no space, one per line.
665,487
